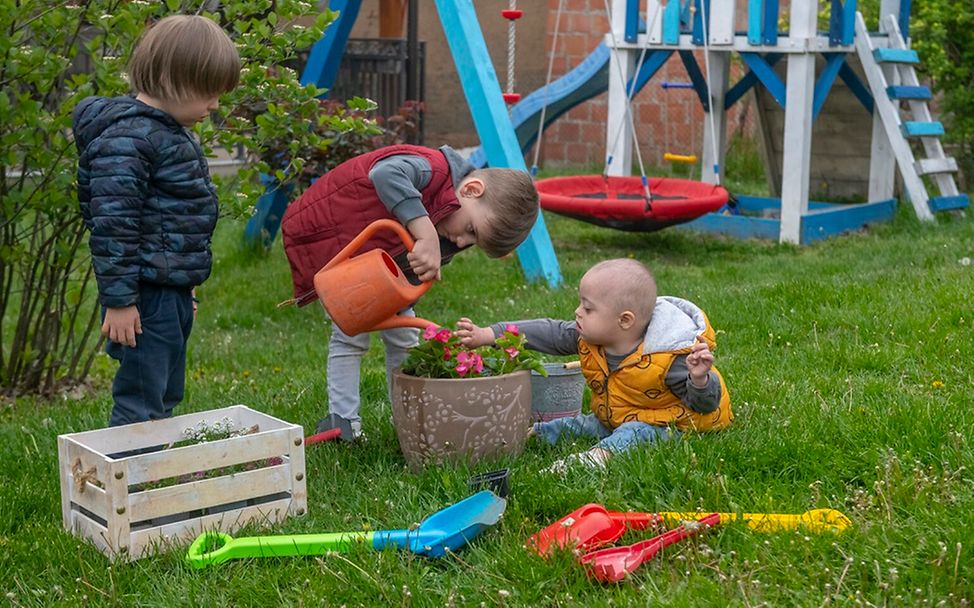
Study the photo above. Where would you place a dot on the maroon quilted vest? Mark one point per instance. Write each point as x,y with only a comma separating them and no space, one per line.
342,202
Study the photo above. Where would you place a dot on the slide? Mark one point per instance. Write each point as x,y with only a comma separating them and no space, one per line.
583,82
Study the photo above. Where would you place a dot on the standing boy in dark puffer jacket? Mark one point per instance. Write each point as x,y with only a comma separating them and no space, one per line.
145,193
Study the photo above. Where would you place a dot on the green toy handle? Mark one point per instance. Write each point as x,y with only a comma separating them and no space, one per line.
211,548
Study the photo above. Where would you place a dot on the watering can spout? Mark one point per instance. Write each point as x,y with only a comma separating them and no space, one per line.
365,292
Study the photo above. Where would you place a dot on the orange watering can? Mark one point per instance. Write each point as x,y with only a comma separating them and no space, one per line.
364,293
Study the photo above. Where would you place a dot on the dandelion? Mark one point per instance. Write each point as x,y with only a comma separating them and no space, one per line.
937,384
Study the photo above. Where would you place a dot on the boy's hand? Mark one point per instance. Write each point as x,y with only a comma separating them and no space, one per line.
699,362
122,325
424,259
473,336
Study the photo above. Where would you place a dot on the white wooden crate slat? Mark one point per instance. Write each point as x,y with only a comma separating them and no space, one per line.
205,493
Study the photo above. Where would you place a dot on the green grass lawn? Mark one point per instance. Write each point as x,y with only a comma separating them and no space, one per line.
849,365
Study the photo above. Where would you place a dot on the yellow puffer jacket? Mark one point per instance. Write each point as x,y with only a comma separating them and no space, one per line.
637,389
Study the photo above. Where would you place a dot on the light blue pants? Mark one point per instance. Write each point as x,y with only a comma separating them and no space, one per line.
625,436
345,363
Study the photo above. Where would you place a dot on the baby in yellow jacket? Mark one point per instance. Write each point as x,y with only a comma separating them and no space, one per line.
646,359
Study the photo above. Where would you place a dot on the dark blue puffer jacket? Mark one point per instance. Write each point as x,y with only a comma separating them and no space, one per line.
145,193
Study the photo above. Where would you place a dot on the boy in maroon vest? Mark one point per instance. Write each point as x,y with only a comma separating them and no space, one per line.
444,203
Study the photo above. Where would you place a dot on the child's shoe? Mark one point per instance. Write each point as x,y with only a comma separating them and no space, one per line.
591,459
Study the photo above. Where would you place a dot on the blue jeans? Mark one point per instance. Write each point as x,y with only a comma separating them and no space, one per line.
151,377
625,436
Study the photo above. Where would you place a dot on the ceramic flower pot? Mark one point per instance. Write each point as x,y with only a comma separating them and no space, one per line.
440,419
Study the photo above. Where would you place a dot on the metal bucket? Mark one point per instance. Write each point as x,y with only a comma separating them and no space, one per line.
558,395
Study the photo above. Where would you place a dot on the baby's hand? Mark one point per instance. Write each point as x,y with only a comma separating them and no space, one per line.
473,336
699,362
424,259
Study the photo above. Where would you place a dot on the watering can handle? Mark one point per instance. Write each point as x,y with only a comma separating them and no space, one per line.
370,230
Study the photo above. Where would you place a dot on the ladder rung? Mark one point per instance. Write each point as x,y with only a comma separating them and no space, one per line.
904,92
922,129
927,166
946,203
896,56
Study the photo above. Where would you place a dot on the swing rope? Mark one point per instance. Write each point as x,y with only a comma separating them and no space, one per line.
511,43
547,92
647,195
632,84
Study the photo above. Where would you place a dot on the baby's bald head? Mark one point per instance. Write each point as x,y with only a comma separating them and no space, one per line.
627,284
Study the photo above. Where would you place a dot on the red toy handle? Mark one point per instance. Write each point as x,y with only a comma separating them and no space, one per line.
637,521
322,437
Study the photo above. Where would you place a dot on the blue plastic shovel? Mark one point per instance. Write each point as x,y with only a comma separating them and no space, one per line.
447,529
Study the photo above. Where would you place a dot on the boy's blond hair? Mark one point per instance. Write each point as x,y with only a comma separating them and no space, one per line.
184,56
632,287
512,208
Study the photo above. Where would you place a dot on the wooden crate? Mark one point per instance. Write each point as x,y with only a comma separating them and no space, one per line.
129,507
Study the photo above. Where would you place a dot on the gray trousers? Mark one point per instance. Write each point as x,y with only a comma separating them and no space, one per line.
345,363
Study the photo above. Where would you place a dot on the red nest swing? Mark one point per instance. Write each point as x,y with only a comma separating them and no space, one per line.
618,202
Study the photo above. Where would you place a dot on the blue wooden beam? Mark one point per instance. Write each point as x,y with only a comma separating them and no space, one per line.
905,19
746,82
833,63
651,64
823,220
860,90
769,31
632,21
490,117
842,23
767,75
671,22
326,54
697,78
755,20
698,25
839,219
263,225
849,22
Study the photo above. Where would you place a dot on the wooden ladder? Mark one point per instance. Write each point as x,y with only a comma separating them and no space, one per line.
896,63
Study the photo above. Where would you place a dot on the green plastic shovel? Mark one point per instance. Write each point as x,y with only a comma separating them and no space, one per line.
447,529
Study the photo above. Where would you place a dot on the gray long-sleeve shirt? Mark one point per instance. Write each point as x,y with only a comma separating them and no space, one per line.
398,182
556,337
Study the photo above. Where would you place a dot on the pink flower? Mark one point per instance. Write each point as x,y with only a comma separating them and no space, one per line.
463,363
430,332
477,362
512,352
443,335
446,353
513,329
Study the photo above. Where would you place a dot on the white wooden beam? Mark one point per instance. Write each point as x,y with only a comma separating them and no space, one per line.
796,164
618,135
721,22
654,21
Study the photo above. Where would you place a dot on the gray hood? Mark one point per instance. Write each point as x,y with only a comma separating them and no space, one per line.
675,325
459,166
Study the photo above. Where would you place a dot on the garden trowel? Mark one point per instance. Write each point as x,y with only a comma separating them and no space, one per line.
447,529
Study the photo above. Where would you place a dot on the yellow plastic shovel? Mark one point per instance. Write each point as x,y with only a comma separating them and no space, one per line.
816,520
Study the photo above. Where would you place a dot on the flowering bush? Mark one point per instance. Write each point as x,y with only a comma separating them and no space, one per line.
440,355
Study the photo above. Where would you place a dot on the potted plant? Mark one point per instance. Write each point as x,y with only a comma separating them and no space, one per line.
451,402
